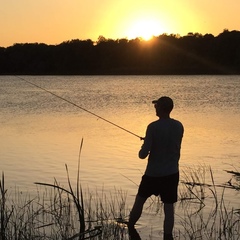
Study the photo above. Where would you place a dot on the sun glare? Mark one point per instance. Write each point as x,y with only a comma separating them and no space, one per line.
145,29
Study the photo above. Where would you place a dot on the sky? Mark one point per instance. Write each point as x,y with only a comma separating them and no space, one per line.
56,21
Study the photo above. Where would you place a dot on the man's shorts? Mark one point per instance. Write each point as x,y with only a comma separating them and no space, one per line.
166,187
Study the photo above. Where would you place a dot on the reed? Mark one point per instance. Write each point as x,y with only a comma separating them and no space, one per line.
62,212
218,221
72,213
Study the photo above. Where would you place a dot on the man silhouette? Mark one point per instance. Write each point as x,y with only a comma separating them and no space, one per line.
162,145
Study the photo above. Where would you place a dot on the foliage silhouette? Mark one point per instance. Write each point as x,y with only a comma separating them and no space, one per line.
164,54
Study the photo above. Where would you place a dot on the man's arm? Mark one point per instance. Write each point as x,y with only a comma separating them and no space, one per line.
147,144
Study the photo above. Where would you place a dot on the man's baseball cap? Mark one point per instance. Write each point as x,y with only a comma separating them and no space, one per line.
166,103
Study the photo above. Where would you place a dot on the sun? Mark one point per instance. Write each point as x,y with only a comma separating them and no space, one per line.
144,28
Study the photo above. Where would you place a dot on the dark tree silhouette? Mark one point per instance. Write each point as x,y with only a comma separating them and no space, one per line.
164,54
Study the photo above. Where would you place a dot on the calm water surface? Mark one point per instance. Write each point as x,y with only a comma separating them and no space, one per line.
40,133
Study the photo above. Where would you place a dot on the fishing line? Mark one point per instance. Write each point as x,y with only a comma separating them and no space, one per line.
76,105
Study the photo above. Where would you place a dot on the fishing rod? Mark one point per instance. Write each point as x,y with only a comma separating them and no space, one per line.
76,105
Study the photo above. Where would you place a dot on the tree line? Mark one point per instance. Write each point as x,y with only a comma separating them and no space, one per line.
165,54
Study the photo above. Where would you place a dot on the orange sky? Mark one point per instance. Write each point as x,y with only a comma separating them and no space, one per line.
55,21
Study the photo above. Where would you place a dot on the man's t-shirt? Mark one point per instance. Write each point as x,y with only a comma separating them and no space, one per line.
162,145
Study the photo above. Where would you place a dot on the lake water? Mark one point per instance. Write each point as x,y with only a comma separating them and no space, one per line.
40,133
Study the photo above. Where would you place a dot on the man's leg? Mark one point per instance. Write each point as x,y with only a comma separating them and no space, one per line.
136,212
168,220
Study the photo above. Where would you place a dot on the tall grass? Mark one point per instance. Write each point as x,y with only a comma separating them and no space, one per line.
200,221
72,213
62,213
55,215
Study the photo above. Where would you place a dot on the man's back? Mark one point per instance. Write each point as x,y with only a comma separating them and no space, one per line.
162,143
